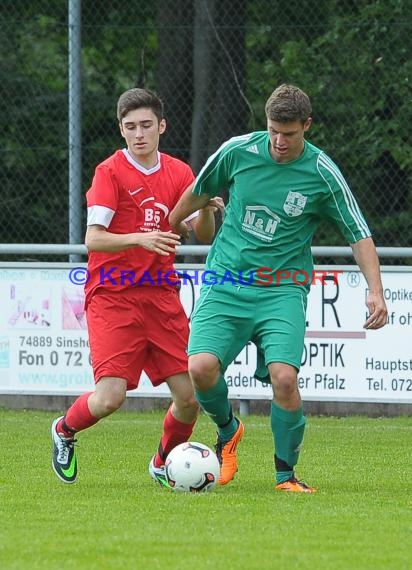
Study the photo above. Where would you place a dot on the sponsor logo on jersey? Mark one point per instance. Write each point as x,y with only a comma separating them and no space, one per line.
260,222
294,204
153,217
153,211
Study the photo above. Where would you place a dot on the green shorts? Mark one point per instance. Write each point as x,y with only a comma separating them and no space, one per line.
227,317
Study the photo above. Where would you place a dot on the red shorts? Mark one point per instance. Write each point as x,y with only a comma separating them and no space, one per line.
143,328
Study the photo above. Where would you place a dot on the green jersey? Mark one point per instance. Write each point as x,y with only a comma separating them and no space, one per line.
273,210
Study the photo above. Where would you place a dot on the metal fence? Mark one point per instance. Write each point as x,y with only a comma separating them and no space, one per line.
214,62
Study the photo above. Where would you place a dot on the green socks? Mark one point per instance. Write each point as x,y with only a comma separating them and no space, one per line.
216,405
288,428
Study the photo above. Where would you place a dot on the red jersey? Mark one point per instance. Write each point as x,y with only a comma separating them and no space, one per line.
125,198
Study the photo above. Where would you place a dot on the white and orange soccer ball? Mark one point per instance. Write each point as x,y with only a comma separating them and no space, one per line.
192,467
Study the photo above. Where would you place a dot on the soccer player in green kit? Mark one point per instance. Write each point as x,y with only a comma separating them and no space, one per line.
280,188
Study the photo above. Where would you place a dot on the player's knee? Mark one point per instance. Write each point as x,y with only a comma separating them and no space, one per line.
188,404
109,402
192,404
203,369
284,381
109,395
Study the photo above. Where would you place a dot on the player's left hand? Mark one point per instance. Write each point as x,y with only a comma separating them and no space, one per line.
378,312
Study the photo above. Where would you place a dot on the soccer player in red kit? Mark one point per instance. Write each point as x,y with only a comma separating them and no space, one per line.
134,315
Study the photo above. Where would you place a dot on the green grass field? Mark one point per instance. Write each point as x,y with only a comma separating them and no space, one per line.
116,517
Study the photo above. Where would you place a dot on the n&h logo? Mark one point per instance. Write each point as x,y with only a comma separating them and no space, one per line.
260,222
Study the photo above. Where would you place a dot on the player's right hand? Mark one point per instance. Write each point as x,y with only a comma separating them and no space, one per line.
183,230
162,243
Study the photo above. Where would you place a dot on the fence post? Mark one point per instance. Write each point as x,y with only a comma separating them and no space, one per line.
75,161
244,407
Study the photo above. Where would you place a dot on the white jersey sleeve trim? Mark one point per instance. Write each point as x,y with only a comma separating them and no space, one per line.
351,204
191,216
99,215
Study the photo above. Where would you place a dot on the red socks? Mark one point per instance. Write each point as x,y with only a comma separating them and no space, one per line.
77,418
174,432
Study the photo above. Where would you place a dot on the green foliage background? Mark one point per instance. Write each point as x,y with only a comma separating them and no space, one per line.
353,58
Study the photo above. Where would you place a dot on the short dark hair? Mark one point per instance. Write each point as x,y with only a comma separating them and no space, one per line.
137,98
288,103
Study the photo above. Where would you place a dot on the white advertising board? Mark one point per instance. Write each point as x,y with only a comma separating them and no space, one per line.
44,345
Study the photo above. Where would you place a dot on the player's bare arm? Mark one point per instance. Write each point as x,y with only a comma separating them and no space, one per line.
99,239
204,224
187,204
364,252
